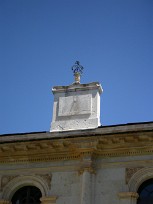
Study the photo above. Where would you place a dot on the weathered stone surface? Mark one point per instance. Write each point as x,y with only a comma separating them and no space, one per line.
104,165
76,107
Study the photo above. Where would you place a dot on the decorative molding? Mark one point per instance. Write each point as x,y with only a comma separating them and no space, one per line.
127,144
129,172
88,169
87,164
139,177
126,195
113,145
5,179
24,180
47,178
48,200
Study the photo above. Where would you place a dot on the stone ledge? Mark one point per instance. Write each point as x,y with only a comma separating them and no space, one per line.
125,195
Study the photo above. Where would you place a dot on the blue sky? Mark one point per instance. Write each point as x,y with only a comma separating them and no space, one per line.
41,39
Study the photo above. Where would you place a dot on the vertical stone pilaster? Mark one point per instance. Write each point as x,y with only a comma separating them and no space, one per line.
86,188
48,200
86,185
128,197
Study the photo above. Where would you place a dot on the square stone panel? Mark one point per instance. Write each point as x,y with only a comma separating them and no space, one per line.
75,105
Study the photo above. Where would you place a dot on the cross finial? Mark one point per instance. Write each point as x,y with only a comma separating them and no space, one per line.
77,70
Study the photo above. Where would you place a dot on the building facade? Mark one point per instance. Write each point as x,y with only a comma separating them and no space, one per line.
102,165
78,161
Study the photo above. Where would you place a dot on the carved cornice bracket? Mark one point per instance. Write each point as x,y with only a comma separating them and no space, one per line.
88,169
87,164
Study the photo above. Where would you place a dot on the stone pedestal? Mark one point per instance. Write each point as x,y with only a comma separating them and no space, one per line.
48,200
128,197
76,107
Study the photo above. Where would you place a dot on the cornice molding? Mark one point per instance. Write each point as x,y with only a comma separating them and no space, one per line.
100,131
129,144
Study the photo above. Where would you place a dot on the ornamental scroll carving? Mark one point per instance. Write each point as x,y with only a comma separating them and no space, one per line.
129,172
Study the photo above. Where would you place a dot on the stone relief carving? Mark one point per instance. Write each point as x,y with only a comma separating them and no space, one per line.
129,172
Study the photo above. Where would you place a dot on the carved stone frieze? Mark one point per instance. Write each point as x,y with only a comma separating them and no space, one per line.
119,141
129,172
111,145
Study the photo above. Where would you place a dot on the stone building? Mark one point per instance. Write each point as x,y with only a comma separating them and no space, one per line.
78,161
